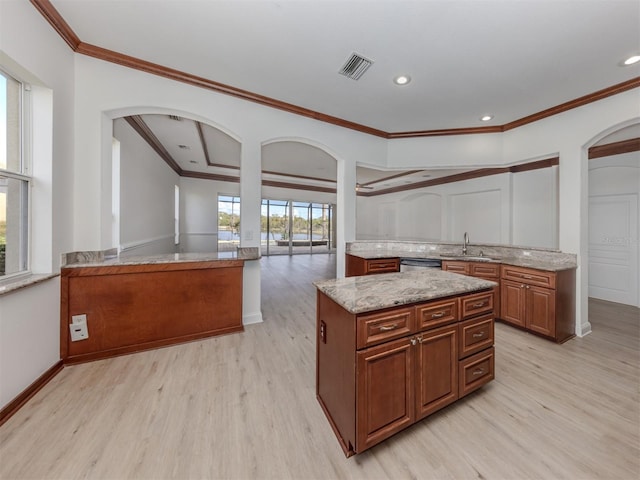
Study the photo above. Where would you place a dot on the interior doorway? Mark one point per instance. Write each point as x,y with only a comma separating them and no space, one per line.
614,205
291,227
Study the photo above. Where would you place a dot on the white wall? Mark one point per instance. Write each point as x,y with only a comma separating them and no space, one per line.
614,250
147,192
199,212
534,218
29,336
29,318
481,206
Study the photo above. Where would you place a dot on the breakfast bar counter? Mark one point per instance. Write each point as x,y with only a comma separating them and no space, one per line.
113,305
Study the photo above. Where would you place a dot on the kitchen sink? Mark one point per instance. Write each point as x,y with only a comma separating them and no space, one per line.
475,258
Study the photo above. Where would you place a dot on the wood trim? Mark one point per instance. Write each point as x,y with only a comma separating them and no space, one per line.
578,102
155,69
58,23
297,176
295,186
615,148
459,177
145,132
390,177
446,131
203,144
12,407
525,167
48,11
222,165
210,176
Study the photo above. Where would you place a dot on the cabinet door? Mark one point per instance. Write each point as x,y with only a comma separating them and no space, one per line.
436,370
512,298
541,310
382,265
455,267
384,394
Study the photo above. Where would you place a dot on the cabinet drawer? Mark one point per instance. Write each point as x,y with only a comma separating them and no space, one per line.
437,314
475,335
383,265
476,371
382,326
485,270
529,276
476,304
455,267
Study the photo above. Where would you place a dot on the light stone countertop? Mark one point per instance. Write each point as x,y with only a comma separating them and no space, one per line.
99,259
551,261
375,292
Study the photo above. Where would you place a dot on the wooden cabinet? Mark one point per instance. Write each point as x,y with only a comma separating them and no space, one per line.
539,301
379,372
484,270
131,308
356,266
384,392
436,383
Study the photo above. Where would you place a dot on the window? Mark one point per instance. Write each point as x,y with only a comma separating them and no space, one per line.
289,227
14,177
228,223
176,215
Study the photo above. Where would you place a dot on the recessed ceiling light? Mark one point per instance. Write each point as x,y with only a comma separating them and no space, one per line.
402,79
184,147
486,118
192,161
631,60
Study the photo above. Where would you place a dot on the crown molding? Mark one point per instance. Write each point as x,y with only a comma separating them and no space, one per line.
49,12
66,32
459,177
615,148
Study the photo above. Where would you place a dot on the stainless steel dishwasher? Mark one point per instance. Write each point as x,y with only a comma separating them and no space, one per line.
412,264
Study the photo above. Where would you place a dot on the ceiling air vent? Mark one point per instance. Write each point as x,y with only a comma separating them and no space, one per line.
176,118
355,66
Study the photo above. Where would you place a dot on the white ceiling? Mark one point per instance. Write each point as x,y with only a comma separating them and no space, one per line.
509,58
466,58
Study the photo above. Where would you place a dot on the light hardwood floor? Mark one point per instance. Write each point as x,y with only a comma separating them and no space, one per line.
244,406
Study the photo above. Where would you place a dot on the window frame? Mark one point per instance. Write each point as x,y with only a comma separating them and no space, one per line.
23,173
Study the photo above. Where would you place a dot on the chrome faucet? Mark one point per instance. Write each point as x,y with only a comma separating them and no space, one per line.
465,243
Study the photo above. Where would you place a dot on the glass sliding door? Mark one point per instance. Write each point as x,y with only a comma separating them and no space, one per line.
275,227
289,227
321,227
228,223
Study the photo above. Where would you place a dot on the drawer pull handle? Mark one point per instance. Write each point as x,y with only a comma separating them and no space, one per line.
478,305
479,371
386,328
527,276
437,315
478,335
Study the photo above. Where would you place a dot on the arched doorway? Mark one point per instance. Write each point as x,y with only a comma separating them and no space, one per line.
613,216
298,199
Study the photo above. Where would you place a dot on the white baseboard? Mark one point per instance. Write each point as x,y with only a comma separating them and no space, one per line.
251,319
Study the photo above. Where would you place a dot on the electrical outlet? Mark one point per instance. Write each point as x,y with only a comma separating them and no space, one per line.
78,328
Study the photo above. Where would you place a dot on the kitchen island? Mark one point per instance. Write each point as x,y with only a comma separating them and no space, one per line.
392,349
131,304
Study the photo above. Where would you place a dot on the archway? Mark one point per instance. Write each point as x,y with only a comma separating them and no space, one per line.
299,197
613,206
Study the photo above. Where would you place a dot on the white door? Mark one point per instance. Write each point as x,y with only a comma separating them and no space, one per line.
613,248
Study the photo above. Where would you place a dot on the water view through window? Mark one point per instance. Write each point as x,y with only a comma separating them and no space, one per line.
286,227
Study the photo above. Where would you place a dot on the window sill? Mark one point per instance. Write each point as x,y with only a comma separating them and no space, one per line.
11,285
